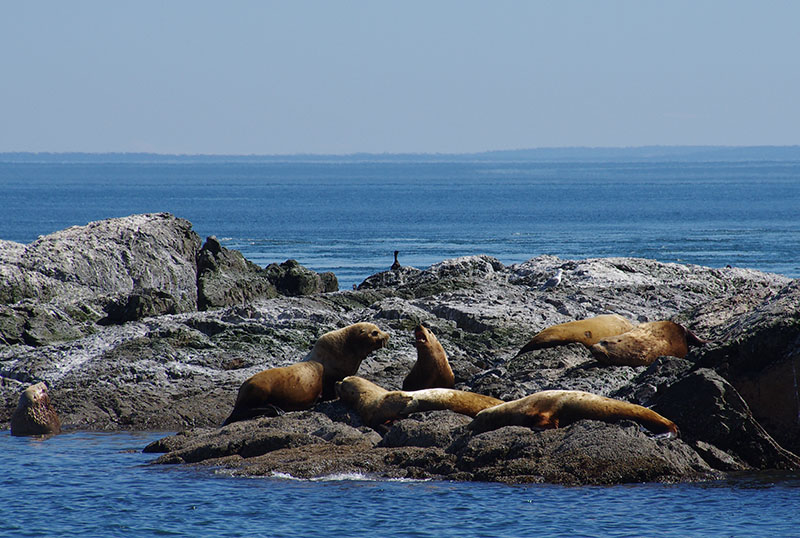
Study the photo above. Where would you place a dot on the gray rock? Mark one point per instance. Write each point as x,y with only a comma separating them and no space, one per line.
226,278
160,364
111,271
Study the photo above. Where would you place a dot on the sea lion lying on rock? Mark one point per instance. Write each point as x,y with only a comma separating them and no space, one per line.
376,405
643,344
585,331
558,408
35,414
299,386
431,369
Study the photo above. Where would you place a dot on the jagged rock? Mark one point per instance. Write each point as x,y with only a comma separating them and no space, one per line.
108,270
226,278
758,352
708,409
291,278
61,286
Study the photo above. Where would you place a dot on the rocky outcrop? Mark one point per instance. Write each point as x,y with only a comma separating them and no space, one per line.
226,278
65,285
733,400
61,285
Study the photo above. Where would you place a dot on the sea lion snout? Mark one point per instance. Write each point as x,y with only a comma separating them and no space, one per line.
420,334
599,351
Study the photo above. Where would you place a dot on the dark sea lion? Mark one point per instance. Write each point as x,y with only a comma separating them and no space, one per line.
558,408
643,344
336,355
376,405
35,414
586,331
432,368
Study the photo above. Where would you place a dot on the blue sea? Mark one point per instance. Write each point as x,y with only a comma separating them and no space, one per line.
348,215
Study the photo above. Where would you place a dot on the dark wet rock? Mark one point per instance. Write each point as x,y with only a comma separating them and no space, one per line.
758,352
431,429
159,363
252,438
143,303
587,452
292,279
226,278
708,409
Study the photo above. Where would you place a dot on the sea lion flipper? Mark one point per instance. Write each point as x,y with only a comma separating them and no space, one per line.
694,340
267,410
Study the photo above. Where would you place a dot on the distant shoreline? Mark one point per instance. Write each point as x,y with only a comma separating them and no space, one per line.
565,154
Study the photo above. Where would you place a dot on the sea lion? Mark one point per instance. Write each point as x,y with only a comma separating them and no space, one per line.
431,369
376,405
585,331
643,344
35,414
299,386
558,408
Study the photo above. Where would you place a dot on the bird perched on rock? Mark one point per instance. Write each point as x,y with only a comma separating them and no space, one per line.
553,281
396,265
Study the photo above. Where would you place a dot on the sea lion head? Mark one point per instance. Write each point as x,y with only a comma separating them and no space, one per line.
423,336
35,414
364,338
353,389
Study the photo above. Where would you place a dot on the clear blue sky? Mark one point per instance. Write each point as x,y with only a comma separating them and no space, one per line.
262,77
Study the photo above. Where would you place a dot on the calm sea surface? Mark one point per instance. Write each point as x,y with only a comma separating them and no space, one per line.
99,484
348,217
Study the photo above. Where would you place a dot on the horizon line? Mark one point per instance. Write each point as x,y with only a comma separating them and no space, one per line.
414,153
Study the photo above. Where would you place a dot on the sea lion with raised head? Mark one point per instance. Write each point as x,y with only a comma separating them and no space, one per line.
35,414
336,355
643,344
432,368
376,405
558,408
585,331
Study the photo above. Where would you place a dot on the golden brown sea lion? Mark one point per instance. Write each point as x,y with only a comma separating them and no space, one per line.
35,414
431,369
643,344
334,356
376,405
558,408
585,331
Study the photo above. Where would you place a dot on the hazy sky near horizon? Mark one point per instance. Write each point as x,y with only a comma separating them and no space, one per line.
265,77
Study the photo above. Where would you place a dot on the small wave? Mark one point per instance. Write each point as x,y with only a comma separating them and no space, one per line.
344,477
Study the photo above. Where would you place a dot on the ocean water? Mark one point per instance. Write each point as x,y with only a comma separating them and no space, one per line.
347,216
99,484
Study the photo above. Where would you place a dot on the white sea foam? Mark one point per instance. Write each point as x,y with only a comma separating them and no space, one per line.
344,477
